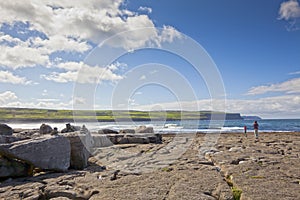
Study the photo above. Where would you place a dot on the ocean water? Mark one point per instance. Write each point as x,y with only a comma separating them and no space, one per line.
185,126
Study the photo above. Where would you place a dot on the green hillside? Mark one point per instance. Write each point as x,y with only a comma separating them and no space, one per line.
26,114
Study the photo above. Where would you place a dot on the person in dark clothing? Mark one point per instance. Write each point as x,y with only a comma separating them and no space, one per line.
255,127
245,130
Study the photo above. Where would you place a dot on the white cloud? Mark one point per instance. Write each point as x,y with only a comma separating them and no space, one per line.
35,51
8,77
289,10
70,26
61,43
294,73
7,96
47,100
289,87
22,56
145,9
82,73
143,77
38,104
168,34
88,20
269,107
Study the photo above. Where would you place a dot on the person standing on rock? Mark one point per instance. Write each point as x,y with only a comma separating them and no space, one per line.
255,127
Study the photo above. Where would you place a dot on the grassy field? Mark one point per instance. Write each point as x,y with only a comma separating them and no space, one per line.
25,114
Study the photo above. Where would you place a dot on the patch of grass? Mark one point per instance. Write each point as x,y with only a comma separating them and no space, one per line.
167,169
228,180
236,192
257,177
103,115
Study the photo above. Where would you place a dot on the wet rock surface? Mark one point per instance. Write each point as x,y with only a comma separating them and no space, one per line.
176,169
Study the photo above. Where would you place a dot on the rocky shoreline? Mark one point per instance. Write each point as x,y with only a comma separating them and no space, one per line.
180,166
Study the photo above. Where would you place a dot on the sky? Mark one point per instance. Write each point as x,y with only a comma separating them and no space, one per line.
233,56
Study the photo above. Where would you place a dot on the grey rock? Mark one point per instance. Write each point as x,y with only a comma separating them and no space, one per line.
84,130
134,140
101,141
80,145
48,152
107,131
144,129
8,139
127,131
5,130
70,128
140,139
45,129
13,168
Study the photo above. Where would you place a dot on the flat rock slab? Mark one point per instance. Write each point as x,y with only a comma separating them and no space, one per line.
48,152
268,169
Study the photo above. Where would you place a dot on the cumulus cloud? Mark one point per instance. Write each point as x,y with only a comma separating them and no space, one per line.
10,99
6,97
22,56
290,86
72,26
145,9
90,20
83,73
290,11
8,77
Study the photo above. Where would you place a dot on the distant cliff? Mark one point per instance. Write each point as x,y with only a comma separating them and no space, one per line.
222,116
251,117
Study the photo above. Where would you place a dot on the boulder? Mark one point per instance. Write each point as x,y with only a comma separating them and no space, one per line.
13,168
70,128
54,131
48,152
84,130
107,131
8,139
5,130
127,131
134,140
144,129
101,141
80,145
140,139
45,129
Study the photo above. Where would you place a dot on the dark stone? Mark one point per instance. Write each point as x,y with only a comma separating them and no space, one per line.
45,129
5,130
107,131
70,128
14,168
4,139
127,131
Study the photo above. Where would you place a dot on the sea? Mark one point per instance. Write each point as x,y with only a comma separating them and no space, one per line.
184,126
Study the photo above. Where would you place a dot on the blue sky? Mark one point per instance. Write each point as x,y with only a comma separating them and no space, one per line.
55,54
